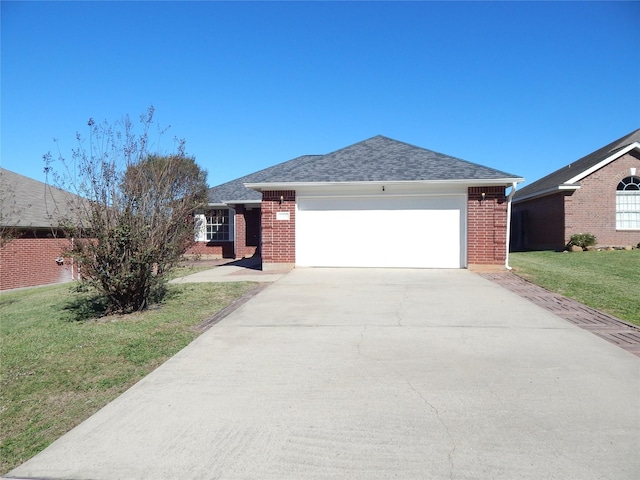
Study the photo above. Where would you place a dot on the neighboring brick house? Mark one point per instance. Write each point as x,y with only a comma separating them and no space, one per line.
32,255
377,203
597,194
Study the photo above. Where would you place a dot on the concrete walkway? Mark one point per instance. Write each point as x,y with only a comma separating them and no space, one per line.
245,270
371,374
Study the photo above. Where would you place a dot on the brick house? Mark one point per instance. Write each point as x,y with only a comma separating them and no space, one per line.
33,254
377,203
597,194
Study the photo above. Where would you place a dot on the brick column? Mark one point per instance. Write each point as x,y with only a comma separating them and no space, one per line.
487,226
278,229
240,231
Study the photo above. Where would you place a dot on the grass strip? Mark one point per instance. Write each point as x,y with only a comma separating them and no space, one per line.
608,280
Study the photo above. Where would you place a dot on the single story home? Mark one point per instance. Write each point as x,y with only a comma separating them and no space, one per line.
597,194
377,203
31,248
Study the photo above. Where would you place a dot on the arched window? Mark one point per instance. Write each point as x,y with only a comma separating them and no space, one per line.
628,204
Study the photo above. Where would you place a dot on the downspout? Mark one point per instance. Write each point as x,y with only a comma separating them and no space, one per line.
509,198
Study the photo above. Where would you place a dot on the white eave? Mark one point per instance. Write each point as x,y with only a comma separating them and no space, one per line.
242,202
471,182
549,191
606,161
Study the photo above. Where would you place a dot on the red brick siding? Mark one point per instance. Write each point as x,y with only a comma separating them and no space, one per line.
240,232
29,262
212,250
486,225
278,236
542,223
592,208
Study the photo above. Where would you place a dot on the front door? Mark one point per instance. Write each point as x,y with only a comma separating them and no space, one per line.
252,218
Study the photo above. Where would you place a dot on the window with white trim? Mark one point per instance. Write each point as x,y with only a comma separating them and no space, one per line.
628,204
219,225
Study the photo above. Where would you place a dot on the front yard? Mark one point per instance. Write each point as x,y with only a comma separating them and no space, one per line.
55,370
608,281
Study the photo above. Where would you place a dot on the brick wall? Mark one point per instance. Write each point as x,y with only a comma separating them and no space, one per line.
211,250
29,262
278,236
592,208
487,225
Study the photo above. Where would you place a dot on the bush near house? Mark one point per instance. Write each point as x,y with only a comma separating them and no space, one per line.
582,240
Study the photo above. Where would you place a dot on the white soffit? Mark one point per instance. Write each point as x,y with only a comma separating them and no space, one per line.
549,191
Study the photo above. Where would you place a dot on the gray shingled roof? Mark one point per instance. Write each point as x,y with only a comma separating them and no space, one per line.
29,203
376,159
564,174
235,189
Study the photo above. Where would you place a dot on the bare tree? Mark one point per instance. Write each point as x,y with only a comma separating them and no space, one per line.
133,217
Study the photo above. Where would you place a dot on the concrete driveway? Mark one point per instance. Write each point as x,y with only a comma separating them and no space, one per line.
370,374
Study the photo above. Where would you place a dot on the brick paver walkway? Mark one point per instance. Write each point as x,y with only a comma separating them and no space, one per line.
612,329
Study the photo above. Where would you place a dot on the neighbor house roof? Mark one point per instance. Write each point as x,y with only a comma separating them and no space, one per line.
378,159
28,203
569,176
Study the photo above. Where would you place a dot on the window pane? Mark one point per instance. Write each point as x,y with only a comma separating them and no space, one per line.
628,209
218,225
629,183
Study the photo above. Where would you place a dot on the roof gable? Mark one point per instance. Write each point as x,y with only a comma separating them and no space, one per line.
377,159
566,178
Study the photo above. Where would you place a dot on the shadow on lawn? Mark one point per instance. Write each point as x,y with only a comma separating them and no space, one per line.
86,304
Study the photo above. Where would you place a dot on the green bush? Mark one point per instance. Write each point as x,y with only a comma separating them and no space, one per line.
582,240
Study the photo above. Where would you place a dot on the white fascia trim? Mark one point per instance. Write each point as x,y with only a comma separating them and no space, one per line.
606,161
228,203
243,202
548,191
465,181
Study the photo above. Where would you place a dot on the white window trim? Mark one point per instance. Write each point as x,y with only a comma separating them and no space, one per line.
630,208
200,227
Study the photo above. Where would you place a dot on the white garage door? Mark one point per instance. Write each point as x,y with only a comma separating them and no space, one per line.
402,231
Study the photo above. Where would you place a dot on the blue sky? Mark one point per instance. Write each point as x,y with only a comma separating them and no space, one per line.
521,87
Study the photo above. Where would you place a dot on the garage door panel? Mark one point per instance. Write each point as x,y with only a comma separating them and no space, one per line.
422,232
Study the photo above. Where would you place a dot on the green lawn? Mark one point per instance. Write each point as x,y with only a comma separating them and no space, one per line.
56,371
608,281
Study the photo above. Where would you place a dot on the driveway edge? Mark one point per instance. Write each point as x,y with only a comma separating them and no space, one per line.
614,330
